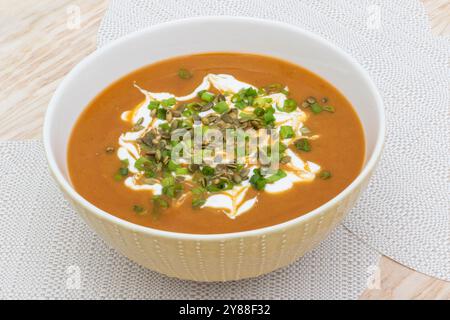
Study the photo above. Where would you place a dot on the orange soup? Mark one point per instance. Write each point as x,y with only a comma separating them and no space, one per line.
215,143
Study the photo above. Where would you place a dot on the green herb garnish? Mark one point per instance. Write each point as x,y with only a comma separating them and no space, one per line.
208,171
316,108
286,132
325,175
221,107
168,102
143,164
289,105
259,111
206,96
161,114
139,209
184,74
328,108
277,176
257,180
154,104
303,145
123,171
198,202
182,171
268,116
158,204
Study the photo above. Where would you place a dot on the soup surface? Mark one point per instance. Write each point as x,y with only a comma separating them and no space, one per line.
215,143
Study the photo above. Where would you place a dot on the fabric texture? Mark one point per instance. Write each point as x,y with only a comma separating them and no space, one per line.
48,252
405,211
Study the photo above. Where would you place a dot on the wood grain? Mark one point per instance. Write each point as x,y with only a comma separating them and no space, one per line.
37,49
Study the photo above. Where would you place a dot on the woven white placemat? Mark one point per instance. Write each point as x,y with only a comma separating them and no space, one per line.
47,252
405,211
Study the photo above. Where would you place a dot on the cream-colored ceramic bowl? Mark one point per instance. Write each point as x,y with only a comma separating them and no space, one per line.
219,257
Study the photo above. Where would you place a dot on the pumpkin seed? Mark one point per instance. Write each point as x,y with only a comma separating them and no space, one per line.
169,116
237,178
193,167
244,172
285,159
207,107
174,125
109,149
311,100
158,155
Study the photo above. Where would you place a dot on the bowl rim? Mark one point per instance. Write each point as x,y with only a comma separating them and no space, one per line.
66,186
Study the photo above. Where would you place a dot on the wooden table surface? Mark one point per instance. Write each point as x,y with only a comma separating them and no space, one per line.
37,49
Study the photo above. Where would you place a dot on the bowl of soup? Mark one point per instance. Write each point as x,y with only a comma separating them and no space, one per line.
214,148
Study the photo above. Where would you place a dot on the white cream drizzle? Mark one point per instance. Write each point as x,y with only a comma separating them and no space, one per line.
232,202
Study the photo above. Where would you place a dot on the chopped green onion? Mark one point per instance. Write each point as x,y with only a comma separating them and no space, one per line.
260,184
154,104
168,181
224,184
247,116
118,177
184,74
261,101
143,164
168,102
325,175
268,117
186,113
173,191
240,105
289,105
303,145
284,91
316,108
181,171
277,176
221,107
328,108
123,171
198,191
257,180
250,92
150,174
158,203
172,166
138,209
259,111
165,126
236,98
207,96
208,171
213,188
161,114
197,203
286,132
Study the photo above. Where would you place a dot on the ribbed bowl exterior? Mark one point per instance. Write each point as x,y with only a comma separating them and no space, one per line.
221,259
